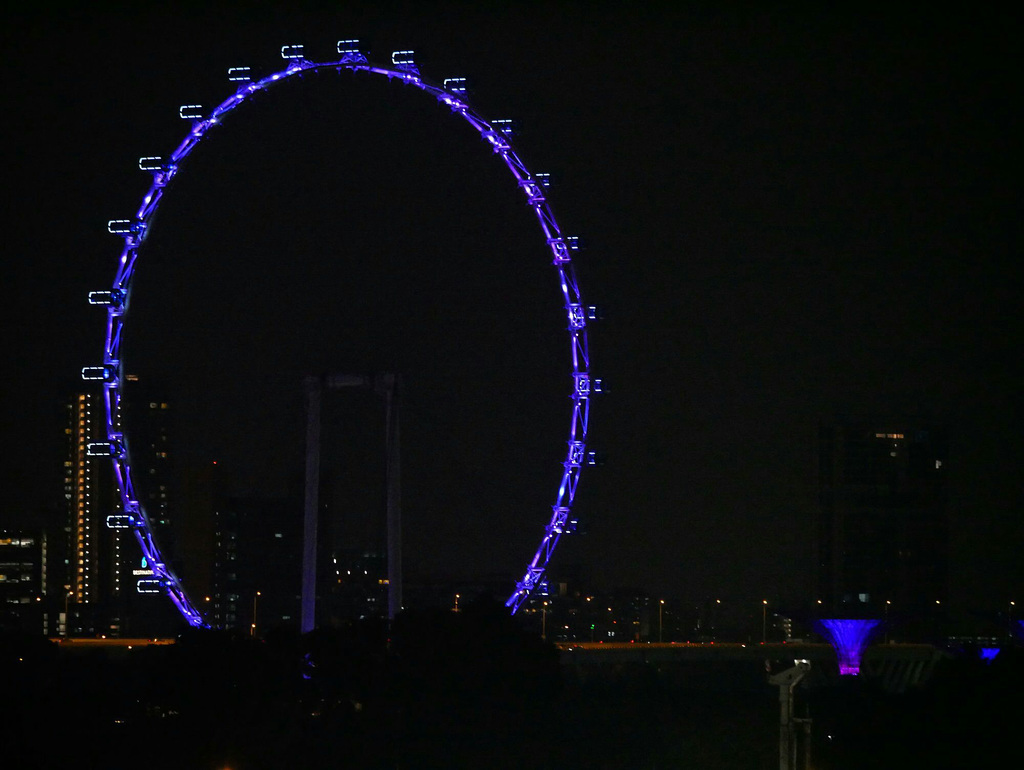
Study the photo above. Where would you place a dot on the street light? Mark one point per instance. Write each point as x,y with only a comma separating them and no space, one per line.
255,596
714,616
456,607
68,596
544,622
661,607
764,620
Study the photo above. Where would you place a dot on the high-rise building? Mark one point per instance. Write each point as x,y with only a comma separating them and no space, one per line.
356,586
257,563
148,417
24,604
883,530
148,424
103,564
95,553
197,524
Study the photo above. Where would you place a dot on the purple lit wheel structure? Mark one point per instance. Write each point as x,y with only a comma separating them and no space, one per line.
496,133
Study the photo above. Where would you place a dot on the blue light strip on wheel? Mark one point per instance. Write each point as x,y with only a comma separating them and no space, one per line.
497,134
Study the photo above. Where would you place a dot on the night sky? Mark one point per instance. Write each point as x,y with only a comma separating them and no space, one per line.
789,217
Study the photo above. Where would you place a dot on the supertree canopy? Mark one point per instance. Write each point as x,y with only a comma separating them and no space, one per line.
849,637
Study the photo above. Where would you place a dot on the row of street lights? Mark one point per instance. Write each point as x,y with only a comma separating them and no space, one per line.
764,619
661,615
661,619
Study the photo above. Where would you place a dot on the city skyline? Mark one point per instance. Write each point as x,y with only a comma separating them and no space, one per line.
788,219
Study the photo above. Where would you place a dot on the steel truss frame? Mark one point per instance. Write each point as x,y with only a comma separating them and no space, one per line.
497,133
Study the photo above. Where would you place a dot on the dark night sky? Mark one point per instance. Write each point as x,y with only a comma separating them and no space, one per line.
790,217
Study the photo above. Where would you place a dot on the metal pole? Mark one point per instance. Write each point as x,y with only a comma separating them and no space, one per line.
255,596
785,727
394,496
786,681
314,390
807,743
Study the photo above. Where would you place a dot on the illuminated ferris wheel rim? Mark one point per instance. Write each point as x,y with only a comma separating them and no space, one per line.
496,133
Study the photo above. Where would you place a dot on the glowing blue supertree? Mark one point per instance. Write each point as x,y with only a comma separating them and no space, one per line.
849,637
988,654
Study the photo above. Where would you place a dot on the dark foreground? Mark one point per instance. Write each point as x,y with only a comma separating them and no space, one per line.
470,690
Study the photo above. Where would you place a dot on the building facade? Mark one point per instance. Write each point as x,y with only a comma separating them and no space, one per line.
24,601
883,528
257,552
94,563
150,431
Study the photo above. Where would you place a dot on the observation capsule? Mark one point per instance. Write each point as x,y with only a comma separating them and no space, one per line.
111,297
150,586
104,449
456,86
104,373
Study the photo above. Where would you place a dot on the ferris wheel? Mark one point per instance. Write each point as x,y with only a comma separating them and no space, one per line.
452,93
